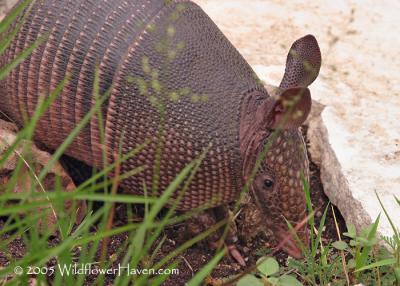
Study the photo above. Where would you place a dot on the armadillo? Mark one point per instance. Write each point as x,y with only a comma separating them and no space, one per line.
213,101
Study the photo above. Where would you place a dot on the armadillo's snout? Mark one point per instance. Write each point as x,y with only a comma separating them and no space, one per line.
281,208
292,242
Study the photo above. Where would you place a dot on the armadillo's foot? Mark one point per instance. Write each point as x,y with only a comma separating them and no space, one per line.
201,222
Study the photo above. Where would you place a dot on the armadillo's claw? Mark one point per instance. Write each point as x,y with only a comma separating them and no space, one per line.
234,252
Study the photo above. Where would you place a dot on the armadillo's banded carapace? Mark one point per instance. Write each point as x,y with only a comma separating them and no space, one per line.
117,36
82,34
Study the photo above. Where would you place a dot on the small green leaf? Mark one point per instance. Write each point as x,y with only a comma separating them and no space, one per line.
273,280
267,265
353,243
351,264
249,280
341,245
351,231
288,280
363,241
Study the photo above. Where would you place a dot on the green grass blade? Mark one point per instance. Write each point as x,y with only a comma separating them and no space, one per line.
169,191
189,243
12,15
111,198
5,70
389,261
362,259
206,270
161,278
27,131
395,231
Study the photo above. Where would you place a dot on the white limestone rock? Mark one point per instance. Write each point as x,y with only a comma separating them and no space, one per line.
352,170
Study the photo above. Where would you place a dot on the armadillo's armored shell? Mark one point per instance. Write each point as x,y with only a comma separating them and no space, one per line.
81,35
126,39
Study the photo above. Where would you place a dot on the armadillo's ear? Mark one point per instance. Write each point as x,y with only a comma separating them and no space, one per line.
302,64
289,109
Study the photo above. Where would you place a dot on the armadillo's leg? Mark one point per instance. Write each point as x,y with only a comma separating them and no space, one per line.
231,238
201,222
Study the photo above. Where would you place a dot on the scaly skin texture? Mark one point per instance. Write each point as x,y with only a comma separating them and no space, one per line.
167,67
278,183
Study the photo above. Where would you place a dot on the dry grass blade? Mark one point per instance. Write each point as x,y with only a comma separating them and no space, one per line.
112,211
341,251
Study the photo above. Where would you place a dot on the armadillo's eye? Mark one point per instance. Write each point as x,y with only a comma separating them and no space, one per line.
268,183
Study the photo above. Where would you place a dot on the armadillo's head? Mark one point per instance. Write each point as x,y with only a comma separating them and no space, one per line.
273,150
278,187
